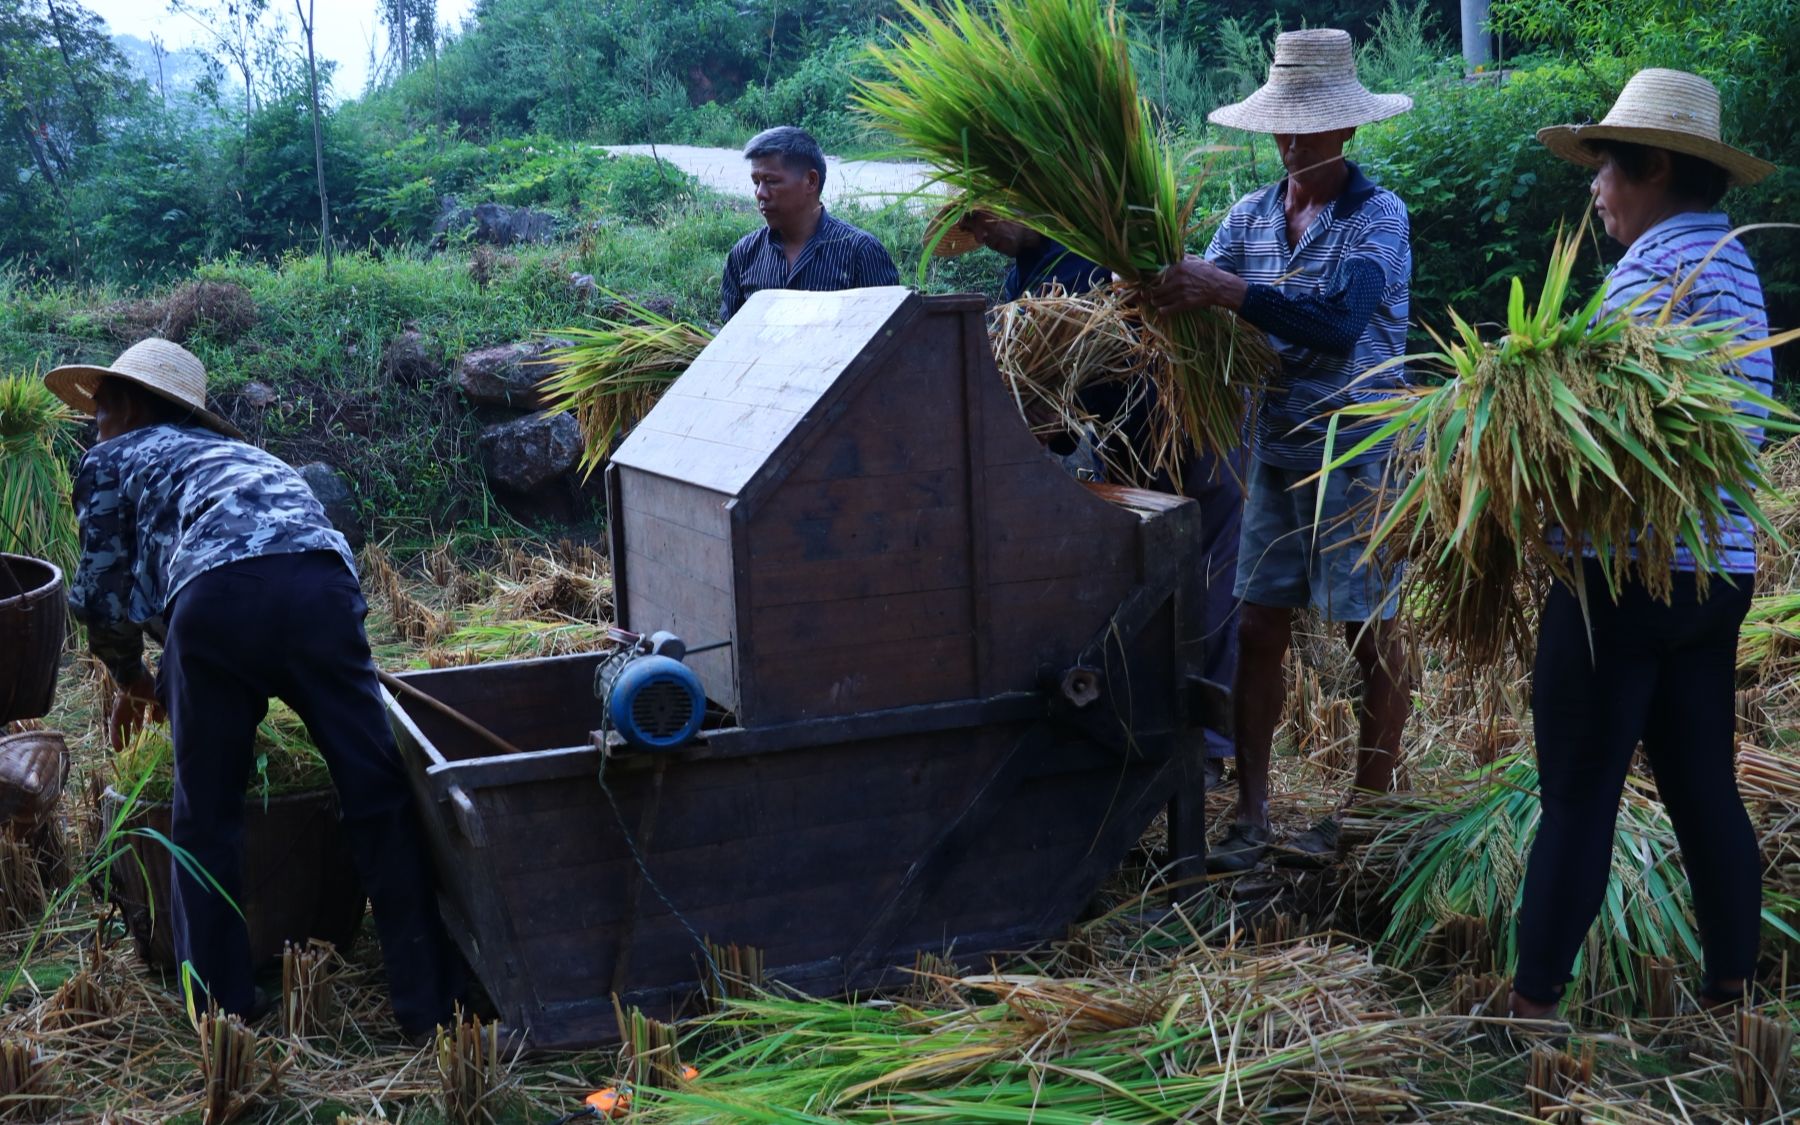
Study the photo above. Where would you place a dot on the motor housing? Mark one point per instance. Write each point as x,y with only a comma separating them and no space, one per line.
653,700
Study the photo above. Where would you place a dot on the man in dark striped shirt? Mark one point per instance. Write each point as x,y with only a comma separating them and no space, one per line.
801,247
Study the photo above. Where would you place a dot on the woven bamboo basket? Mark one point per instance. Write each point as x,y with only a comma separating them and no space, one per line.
33,623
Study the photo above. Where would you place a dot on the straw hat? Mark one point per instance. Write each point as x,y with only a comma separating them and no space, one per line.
167,370
1669,109
957,240
1312,88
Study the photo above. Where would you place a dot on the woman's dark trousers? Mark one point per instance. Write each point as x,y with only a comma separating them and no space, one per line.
1663,675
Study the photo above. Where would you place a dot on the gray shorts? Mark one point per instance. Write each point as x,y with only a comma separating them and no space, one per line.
1296,552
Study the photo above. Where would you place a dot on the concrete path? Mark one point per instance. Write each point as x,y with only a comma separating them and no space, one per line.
725,170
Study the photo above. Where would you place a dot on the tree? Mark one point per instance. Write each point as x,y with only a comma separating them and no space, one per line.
312,72
233,29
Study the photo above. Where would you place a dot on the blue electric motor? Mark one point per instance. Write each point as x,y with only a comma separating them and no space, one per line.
652,699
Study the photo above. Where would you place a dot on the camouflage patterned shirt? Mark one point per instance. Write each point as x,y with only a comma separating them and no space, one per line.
163,504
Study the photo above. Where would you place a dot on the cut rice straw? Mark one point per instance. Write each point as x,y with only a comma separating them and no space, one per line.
1031,108
1051,349
1214,1034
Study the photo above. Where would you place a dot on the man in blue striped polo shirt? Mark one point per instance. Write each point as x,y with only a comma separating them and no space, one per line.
800,246
1321,261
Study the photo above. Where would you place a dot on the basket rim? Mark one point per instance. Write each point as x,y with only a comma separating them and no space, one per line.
52,586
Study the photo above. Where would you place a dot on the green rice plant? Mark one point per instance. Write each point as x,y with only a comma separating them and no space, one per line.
1460,852
286,759
1626,431
611,375
480,642
1212,1034
1032,109
37,438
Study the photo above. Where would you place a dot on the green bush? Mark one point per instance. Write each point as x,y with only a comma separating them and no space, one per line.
641,188
1484,196
815,95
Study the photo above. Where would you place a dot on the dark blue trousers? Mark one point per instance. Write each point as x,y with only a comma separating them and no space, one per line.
291,627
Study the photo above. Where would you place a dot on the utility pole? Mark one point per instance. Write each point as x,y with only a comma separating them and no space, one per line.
312,73
1477,44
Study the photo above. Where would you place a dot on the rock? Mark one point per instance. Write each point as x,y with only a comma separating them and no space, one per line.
407,361
493,223
333,492
527,453
506,375
258,396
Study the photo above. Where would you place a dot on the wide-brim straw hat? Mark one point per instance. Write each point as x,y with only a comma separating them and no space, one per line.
1312,88
164,369
957,239
1669,109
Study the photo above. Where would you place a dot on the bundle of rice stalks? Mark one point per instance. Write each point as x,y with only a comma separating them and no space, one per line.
25,1082
233,1077
471,1072
1051,349
37,438
739,974
79,1001
1031,107
1220,1034
1769,640
579,587
1623,433
513,640
308,1002
286,759
611,375
1460,854
649,1051
1761,1058
1553,1079
23,890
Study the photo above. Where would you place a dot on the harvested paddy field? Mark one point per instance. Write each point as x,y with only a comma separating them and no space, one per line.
1363,992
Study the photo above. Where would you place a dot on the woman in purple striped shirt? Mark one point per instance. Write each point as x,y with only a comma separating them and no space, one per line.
1662,674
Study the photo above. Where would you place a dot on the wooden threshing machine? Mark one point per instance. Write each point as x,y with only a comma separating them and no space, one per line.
945,691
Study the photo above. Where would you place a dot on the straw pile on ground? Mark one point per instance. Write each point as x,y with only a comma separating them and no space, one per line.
1230,1033
1260,1024
1573,428
1031,108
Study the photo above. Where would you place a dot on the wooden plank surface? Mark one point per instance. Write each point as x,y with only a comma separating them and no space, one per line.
767,370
